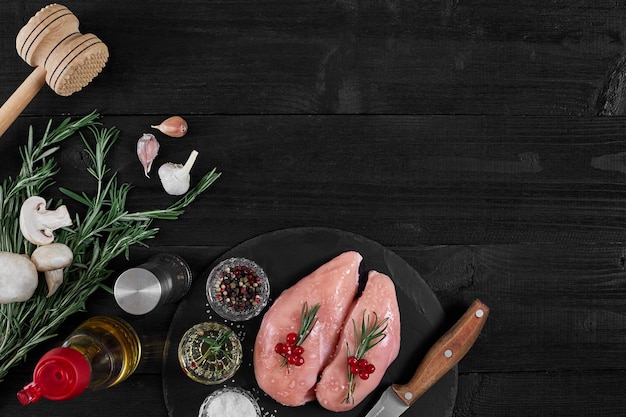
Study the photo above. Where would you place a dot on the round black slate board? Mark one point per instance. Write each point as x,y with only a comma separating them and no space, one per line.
287,256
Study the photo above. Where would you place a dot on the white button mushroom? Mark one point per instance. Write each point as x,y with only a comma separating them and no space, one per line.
18,278
51,260
37,223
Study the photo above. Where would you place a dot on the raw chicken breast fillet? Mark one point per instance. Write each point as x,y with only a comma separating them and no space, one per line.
378,296
334,286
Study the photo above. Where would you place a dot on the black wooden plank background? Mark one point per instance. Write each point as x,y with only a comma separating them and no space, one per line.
373,57
482,141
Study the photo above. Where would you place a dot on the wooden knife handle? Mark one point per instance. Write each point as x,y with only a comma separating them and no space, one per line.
444,354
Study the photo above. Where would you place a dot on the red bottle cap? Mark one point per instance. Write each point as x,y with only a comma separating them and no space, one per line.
60,374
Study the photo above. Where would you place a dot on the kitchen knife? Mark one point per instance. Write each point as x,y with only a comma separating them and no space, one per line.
439,359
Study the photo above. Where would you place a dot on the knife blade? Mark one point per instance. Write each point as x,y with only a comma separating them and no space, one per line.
439,359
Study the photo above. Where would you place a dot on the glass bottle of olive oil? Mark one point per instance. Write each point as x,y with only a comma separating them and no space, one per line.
99,353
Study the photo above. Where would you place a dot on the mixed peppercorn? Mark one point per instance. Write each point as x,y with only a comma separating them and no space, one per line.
238,288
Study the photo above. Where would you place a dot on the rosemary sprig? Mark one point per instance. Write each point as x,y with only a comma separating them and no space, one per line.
105,231
216,346
369,336
308,317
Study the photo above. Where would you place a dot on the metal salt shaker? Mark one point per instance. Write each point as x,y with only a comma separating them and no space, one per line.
164,278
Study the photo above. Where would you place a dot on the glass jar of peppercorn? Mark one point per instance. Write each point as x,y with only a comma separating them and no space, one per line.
237,289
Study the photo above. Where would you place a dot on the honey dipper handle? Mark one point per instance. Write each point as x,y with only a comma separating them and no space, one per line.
18,101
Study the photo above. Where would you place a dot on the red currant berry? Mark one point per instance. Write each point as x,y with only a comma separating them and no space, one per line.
292,359
362,363
297,350
370,368
278,348
354,369
364,375
286,350
292,338
298,360
352,360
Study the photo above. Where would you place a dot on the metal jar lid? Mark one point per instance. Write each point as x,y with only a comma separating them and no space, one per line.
164,278
138,291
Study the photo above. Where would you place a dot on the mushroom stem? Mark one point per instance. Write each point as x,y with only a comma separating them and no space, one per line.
54,279
51,260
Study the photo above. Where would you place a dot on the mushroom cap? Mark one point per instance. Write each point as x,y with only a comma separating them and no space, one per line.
37,223
52,256
18,278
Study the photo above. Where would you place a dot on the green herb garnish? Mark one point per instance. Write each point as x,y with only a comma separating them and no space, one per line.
106,230
308,319
365,338
215,347
292,351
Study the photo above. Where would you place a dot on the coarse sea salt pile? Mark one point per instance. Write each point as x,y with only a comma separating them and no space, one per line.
228,403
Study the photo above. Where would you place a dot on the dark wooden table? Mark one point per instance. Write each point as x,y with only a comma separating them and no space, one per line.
482,141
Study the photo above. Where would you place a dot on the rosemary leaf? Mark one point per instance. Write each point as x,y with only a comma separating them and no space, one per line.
370,335
308,319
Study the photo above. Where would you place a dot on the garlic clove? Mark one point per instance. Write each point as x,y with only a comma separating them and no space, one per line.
174,126
175,178
147,150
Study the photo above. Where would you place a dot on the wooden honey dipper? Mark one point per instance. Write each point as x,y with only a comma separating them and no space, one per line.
63,57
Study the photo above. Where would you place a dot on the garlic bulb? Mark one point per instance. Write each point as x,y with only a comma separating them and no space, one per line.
175,178
174,126
147,150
